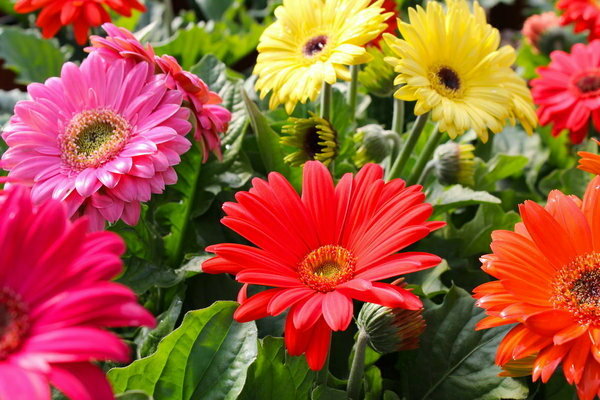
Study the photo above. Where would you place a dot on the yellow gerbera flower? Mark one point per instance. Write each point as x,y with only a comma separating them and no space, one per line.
311,42
450,63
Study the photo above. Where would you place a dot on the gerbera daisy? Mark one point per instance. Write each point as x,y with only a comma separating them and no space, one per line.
589,162
568,91
314,138
389,6
82,14
537,25
211,118
548,273
312,42
102,138
584,14
450,64
323,249
56,296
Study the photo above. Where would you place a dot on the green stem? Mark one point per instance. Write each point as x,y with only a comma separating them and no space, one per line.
425,156
413,138
353,91
358,366
323,373
169,15
426,172
398,121
326,100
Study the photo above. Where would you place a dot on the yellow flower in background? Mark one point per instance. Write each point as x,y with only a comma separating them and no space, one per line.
314,139
450,63
311,42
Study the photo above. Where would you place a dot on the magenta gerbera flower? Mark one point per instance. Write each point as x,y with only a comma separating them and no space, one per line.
102,138
211,118
55,299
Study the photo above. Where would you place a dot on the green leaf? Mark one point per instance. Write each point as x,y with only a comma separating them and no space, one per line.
569,181
133,395
267,138
323,392
503,166
276,375
8,99
148,339
373,383
214,9
33,58
207,357
429,281
454,361
475,235
447,199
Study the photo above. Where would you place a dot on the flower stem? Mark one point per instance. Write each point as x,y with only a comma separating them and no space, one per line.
425,156
353,91
404,155
168,17
326,100
398,121
358,366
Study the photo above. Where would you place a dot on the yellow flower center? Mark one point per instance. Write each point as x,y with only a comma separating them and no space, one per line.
14,322
314,46
326,267
588,83
92,138
576,288
445,81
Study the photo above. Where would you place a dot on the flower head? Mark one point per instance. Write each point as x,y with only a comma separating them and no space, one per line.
589,162
372,143
568,91
583,14
378,76
314,138
311,42
102,138
539,24
450,64
321,250
454,164
82,14
56,298
389,6
548,273
120,43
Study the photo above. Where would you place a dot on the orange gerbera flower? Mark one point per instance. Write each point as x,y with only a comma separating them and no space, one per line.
589,162
549,284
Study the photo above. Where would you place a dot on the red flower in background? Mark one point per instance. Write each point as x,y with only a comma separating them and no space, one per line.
392,22
548,271
82,14
568,91
583,14
320,251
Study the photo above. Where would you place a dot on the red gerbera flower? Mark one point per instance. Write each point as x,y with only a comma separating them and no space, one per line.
82,14
549,274
568,91
584,14
321,250
391,22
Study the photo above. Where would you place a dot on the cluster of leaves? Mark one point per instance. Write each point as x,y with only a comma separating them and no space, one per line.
197,350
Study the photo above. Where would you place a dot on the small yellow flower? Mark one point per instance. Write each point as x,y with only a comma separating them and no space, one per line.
314,138
311,42
450,63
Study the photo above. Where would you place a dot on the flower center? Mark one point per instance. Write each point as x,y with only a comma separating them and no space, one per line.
14,322
92,138
326,267
577,289
315,46
312,144
588,83
446,81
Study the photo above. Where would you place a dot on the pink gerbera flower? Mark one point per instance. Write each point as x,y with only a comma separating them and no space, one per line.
568,91
55,299
102,138
211,118
320,251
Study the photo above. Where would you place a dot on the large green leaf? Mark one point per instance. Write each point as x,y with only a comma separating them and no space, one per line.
447,199
33,58
454,361
207,357
276,375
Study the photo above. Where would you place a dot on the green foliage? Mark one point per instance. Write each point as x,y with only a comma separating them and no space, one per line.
455,196
207,357
275,375
33,59
456,362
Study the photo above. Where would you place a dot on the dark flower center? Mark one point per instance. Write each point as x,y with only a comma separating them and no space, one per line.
586,289
14,322
588,83
312,145
315,45
449,78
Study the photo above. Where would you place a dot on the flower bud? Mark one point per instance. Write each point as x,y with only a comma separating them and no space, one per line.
537,25
374,144
378,76
314,138
454,164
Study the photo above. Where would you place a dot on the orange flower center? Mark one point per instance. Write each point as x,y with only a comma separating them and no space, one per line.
577,289
588,83
14,322
92,138
326,267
